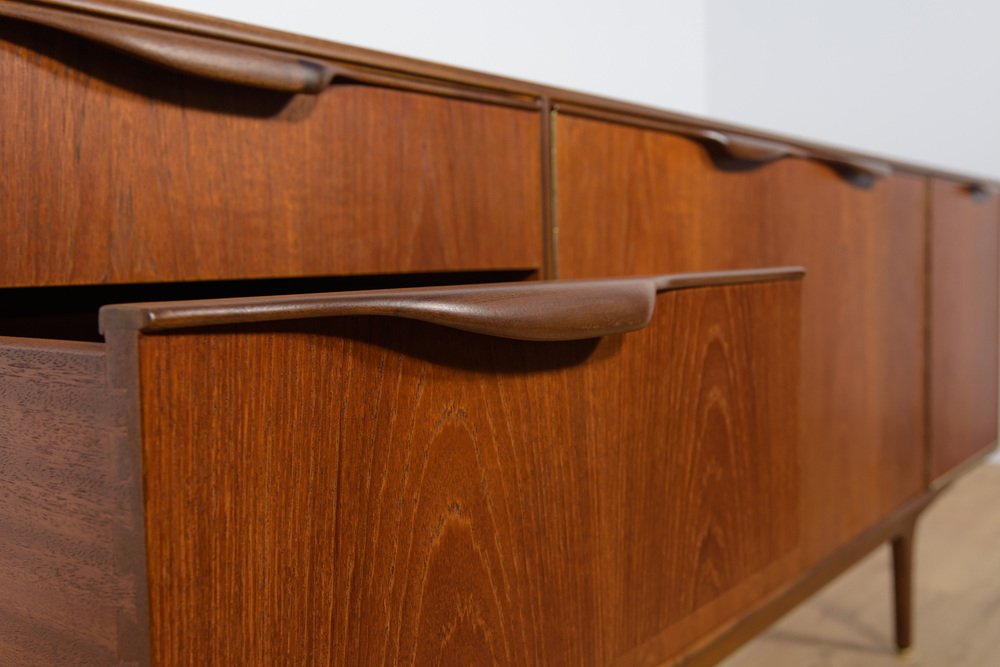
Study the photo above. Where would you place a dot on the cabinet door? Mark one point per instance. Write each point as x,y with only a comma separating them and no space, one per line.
358,490
963,331
634,201
116,171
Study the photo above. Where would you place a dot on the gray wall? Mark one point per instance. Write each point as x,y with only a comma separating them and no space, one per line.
915,79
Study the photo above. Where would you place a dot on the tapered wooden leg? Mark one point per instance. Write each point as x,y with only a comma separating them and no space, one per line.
902,571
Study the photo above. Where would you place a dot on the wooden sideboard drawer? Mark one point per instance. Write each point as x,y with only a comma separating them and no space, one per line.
963,326
118,171
863,347
327,479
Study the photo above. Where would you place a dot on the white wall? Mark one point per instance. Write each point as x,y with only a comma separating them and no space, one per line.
916,79
647,51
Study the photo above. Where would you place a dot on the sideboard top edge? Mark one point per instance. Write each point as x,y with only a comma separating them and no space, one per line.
406,68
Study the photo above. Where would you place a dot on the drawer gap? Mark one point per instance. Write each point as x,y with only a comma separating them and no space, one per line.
70,312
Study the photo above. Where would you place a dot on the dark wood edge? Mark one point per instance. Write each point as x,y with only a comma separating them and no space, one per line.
461,81
728,638
543,310
676,281
375,78
134,631
54,345
550,250
928,317
857,170
974,461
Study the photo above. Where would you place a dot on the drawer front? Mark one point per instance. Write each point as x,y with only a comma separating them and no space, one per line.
367,491
963,333
116,171
863,344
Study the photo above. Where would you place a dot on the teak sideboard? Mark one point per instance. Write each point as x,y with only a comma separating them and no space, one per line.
316,355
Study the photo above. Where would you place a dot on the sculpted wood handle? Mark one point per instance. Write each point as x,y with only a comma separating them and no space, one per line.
733,150
201,56
232,62
862,172
981,192
747,149
859,171
547,310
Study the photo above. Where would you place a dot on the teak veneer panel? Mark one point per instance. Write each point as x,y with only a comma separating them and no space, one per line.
365,491
862,302
67,597
964,340
116,171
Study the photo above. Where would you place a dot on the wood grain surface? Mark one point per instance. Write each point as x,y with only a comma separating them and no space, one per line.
65,599
379,491
863,301
963,334
117,171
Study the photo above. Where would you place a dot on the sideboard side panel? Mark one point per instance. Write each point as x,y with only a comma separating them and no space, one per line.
67,596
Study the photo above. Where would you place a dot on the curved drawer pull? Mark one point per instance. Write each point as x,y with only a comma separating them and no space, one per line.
753,151
740,152
749,149
191,54
862,172
548,310
981,192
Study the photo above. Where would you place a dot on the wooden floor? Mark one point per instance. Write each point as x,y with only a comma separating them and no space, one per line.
848,624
